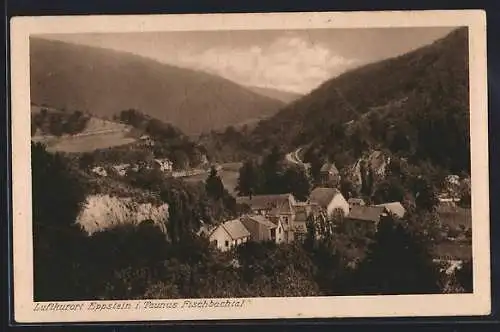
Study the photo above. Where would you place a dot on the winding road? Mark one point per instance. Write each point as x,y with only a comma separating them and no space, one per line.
293,158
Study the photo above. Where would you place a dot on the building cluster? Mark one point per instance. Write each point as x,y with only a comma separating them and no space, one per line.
164,165
282,219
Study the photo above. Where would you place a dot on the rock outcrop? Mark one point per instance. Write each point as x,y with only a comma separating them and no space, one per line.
102,212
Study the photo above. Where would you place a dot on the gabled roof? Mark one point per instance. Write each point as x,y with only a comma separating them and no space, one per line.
235,229
267,202
329,167
323,196
395,208
366,213
261,220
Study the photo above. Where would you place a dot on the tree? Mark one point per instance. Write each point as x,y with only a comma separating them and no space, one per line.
272,171
311,156
249,180
213,185
86,160
465,194
348,186
297,183
57,198
425,195
397,262
367,178
465,277
389,190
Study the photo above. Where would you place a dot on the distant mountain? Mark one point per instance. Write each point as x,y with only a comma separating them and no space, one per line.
281,95
104,82
416,105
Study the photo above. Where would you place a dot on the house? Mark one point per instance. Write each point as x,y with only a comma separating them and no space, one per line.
446,200
262,229
300,222
329,175
394,208
164,165
121,169
229,235
356,202
147,140
329,199
365,218
99,171
264,204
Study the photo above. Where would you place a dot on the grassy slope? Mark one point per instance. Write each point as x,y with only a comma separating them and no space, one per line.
98,134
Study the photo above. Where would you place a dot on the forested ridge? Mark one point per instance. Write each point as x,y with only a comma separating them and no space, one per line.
415,105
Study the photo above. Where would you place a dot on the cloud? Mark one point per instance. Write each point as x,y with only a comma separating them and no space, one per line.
289,63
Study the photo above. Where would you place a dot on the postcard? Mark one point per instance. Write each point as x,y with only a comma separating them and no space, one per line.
249,166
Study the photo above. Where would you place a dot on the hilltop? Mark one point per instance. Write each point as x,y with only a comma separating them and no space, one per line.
105,82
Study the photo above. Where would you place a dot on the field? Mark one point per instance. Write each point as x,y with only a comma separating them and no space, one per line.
98,134
228,173
79,144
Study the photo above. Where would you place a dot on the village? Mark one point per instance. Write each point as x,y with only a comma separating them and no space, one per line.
283,219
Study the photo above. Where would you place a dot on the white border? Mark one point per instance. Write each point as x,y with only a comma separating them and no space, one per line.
478,303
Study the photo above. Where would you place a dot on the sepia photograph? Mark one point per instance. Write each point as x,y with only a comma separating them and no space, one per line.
235,166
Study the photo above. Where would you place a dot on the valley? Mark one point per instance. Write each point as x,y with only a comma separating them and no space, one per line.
186,184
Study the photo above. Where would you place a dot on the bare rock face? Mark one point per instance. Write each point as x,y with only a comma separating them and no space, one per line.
102,212
376,161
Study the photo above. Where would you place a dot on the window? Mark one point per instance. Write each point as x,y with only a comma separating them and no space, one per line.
227,243
215,241
279,230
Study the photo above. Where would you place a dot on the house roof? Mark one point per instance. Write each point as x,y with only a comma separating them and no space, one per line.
327,167
267,202
323,196
261,220
366,213
356,201
235,229
395,208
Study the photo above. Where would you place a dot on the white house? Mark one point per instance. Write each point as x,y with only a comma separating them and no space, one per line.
263,229
164,165
329,199
229,235
395,208
99,171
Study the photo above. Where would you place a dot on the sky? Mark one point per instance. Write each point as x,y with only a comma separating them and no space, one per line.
288,60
